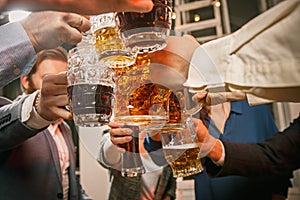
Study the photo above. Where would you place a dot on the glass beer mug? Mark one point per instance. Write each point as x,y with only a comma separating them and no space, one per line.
91,87
106,39
180,148
139,100
142,100
148,104
146,32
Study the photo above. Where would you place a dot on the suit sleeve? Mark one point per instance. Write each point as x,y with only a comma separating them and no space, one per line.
13,131
16,52
275,156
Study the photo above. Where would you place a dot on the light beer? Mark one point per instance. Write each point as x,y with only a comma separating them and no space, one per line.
183,159
110,48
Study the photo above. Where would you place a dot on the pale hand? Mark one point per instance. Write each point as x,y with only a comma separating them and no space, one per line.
51,29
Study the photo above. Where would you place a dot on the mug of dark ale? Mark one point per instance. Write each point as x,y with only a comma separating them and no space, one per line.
146,32
91,88
131,161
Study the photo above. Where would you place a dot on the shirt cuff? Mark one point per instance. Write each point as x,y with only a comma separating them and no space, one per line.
30,116
255,100
203,73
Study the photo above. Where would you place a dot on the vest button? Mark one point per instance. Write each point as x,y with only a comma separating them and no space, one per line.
59,195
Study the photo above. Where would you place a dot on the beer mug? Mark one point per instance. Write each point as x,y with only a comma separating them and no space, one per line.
180,148
91,87
144,99
107,42
138,100
146,32
131,162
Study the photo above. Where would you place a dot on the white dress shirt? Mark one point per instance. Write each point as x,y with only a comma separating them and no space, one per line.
261,59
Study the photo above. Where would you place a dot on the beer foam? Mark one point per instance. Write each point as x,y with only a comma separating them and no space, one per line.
103,83
181,146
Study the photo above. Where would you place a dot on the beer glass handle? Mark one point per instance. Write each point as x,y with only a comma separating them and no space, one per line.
194,110
191,107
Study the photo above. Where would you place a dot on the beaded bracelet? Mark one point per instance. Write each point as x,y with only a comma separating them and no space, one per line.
37,101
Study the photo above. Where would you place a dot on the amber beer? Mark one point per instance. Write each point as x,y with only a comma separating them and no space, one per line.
183,159
91,101
146,32
110,48
140,102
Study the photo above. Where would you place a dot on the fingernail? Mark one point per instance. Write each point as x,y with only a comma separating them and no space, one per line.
128,131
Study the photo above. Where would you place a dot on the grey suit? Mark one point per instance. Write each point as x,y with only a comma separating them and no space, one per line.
29,162
16,52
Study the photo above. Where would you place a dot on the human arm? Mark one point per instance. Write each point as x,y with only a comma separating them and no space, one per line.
50,29
260,59
21,40
110,153
2,3
20,120
173,61
91,7
275,156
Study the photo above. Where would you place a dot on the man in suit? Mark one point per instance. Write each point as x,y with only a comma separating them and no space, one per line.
39,165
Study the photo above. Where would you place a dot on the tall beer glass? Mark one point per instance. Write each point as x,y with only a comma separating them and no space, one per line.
146,32
131,163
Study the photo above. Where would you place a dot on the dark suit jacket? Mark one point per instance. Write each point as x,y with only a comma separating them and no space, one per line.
276,156
29,162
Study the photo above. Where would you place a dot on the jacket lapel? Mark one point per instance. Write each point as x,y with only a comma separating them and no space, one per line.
54,154
69,142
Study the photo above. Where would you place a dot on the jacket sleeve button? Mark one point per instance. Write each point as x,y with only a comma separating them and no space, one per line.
59,195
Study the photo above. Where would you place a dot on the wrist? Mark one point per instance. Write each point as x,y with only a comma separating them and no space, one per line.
216,152
235,96
37,101
36,106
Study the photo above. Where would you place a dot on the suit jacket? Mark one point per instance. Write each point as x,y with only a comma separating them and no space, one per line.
29,161
16,52
276,156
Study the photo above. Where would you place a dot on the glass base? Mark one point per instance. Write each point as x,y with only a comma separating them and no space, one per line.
187,172
132,172
145,41
91,120
144,121
117,58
